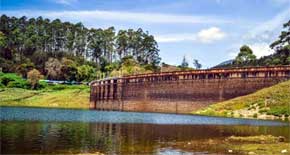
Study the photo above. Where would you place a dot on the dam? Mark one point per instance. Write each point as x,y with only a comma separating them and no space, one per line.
181,91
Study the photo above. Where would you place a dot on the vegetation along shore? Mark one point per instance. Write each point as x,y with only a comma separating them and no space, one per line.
268,103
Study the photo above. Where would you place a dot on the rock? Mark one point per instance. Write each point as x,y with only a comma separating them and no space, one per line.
281,139
251,153
284,151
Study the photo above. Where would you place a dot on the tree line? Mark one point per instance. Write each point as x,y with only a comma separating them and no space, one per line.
65,51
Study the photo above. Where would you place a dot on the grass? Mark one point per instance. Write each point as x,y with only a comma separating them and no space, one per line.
274,101
75,97
258,145
254,139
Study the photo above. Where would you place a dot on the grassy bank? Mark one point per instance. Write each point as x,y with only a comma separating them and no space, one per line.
59,96
272,102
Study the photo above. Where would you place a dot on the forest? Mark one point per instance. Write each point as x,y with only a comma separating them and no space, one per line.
70,51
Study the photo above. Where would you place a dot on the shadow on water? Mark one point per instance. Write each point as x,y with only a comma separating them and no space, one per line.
133,136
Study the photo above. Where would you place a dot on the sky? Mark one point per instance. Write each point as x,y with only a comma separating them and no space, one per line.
211,31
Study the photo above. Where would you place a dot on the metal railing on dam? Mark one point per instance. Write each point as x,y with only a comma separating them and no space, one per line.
181,91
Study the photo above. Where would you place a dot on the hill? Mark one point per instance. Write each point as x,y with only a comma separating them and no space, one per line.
59,96
266,103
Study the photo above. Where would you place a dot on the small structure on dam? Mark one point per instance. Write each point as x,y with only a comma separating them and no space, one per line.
181,91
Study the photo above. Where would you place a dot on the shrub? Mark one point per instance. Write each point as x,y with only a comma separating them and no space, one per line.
12,81
255,115
278,111
41,85
6,78
18,84
1,85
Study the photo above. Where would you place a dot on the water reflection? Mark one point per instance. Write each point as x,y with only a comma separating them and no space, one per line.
51,131
75,137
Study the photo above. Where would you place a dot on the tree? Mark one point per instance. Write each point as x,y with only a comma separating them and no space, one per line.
33,77
69,70
284,38
196,64
184,63
53,69
86,73
24,68
245,55
2,40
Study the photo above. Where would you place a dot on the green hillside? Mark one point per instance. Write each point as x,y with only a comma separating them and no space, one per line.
52,97
266,103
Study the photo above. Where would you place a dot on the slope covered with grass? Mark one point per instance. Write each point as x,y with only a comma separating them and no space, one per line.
54,97
272,101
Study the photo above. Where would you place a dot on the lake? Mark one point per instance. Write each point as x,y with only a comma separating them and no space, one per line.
51,131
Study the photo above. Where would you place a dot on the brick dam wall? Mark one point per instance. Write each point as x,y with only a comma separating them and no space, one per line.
181,92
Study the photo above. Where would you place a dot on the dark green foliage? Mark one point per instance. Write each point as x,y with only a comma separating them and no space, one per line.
196,64
18,84
37,43
1,85
245,56
184,63
255,115
86,73
12,80
279,111
42,85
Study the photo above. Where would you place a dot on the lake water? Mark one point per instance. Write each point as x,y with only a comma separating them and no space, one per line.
50,131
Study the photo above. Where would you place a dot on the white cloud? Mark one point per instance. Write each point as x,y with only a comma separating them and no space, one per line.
138,17
261,49
204,36
66,2
210,35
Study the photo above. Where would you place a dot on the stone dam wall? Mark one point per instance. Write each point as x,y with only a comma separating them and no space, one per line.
182,91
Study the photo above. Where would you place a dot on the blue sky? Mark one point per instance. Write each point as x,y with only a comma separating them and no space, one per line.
208,30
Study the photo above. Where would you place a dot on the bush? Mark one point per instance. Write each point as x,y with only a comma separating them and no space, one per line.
255,115
1,85
12,81
278,111
6,78
18,84
41,85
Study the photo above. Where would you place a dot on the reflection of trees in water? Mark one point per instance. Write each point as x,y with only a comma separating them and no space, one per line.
65,137
37,137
